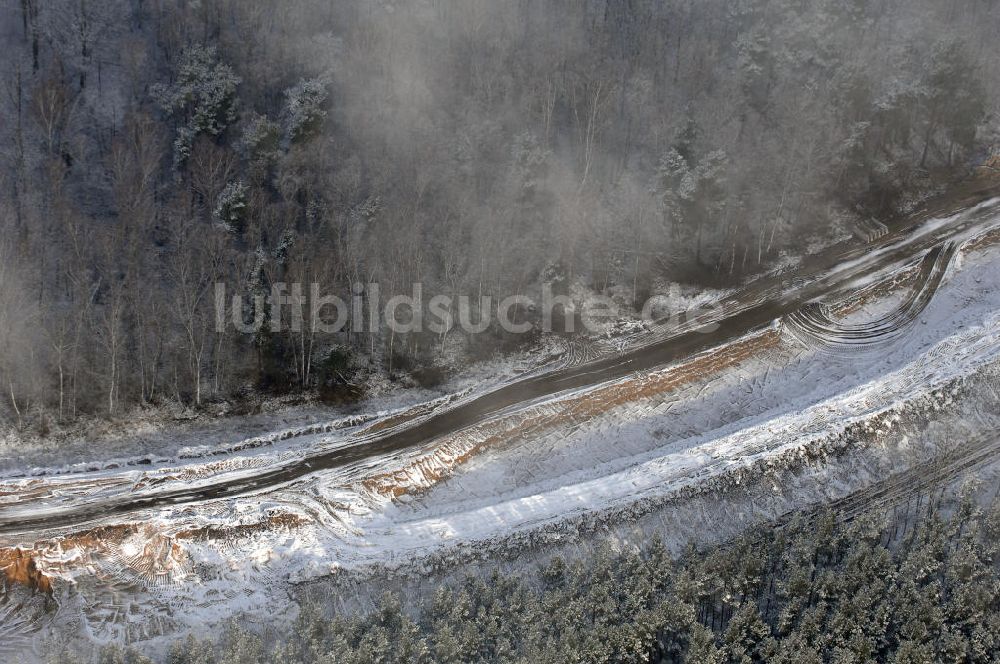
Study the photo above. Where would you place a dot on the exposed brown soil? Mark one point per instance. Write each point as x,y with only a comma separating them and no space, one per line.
985,240
281,521
158,554
456,449
450,453
19,568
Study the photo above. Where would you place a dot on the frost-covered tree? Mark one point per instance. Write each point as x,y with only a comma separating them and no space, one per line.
690,196
202,97
953,100
862,599
756,73
261,139
305,109
231,207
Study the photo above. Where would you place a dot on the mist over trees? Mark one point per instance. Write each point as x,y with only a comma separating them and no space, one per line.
154,149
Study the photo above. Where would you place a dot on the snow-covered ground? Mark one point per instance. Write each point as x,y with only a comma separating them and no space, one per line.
171,435
786,399
616,453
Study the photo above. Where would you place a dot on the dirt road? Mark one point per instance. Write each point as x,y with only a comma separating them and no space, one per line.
757,306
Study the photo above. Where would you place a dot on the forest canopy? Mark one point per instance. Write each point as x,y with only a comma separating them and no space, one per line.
902,591
156,149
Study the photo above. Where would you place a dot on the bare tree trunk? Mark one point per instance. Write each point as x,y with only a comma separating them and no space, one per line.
927,143
20,422
61,390
113,359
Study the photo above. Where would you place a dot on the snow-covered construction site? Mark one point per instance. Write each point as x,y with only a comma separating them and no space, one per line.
861,376
464,331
